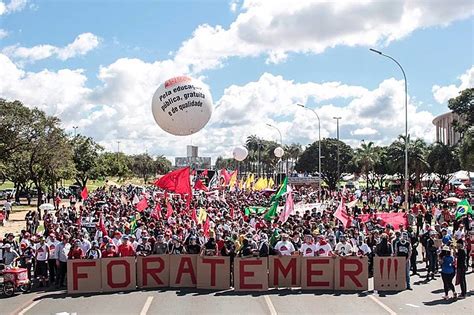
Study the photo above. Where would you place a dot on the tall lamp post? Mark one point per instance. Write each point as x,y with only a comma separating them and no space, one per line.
406,123
319,149
281,143
337,136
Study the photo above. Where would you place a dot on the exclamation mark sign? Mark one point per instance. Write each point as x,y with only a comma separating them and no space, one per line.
381,263
389,267
396,268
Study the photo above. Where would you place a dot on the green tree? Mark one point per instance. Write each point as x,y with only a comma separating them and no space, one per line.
224,163
162,165
143,166
86,157
442,160
466,151
114,164
309,160
463,105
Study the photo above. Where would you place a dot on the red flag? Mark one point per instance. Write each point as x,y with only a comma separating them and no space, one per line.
193,173
142,204
169,210
84,193
177,181
341,214
204,173
395,219
205,227
225,175
200,186
232,212
156,214
102,225
194,216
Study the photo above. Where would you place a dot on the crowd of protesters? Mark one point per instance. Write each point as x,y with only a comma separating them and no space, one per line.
108,224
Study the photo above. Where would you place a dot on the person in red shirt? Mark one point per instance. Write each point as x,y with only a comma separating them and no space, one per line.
109,251
76,252
126,249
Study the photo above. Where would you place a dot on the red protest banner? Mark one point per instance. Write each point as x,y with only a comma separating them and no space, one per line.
284,271
213,272
84,276
118,274
250,274
153,271
183,271
317,273
389,273
351,273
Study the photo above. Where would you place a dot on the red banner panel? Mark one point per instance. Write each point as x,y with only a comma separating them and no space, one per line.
119,274
351,274
213,272
183,270
153,271
317,273
250,274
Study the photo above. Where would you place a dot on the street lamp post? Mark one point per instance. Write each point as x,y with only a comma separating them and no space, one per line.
406,124
319,149
75,130
337,136
281,143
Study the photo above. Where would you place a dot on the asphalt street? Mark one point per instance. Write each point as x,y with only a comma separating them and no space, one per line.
426,298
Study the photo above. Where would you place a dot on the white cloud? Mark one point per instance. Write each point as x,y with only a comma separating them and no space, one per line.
443,93
119,108
12,6
3,33
234,5
364,131
276,28
81,45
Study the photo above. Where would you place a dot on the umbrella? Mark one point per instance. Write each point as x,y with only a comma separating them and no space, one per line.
46,206
452,199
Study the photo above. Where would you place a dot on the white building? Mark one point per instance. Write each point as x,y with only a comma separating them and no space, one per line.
444,129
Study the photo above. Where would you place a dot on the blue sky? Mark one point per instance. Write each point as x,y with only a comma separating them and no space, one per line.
436,49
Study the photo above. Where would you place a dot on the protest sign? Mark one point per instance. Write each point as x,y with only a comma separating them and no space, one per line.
153,271
389,273
351,273
284,271
84,276
317,273
250,274
118,274
183,270
213,272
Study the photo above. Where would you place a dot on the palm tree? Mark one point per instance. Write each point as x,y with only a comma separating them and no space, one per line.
365,158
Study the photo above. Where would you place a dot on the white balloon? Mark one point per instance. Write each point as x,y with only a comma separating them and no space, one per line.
240,153
278,152
182,106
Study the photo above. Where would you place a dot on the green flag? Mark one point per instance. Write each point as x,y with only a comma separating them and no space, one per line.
463,208
254,210
281,191
133,224
272,212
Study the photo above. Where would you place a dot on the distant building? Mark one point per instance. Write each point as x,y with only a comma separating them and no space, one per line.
193,159
445,132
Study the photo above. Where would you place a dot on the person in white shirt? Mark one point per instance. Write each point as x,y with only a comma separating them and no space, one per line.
459,234
52,243
323,248
308,248
42,256
362,248
284,247
85,244
343,248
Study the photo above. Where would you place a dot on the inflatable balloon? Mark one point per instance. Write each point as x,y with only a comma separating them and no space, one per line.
182,106
240,153
278,152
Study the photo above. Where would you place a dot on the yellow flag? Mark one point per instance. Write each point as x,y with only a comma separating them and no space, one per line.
270,183
202,215
261,184
233,179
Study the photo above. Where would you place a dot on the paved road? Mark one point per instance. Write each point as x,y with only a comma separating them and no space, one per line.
424,299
